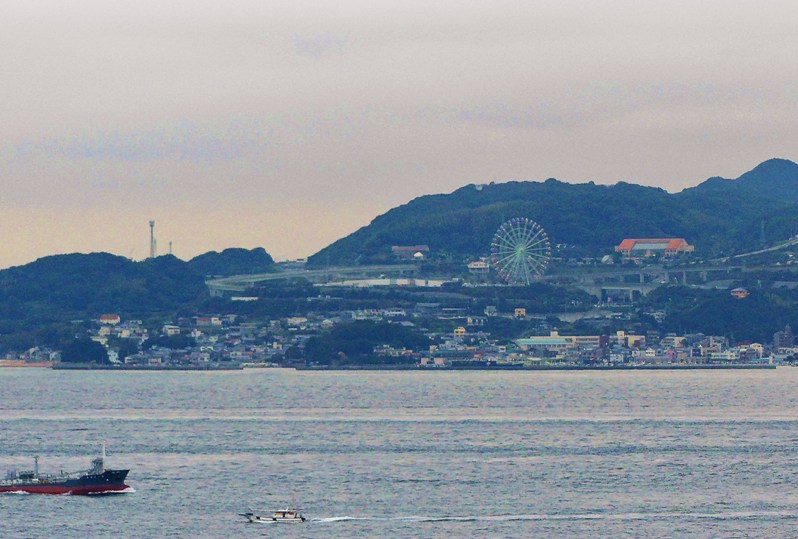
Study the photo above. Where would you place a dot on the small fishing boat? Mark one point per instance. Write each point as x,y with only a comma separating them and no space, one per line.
281,515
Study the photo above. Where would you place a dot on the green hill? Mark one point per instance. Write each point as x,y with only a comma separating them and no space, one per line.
47,301
589,218
233,261
775,179
39,300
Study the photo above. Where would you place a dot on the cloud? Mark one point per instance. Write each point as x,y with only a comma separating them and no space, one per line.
532,117
319,45
187,141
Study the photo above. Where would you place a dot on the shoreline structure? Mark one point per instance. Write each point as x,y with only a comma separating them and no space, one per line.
663,367
18,363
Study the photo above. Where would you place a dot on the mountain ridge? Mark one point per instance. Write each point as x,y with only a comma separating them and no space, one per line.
775,179
37,299
591,218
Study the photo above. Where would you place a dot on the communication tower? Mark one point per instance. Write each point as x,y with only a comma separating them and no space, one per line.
153,245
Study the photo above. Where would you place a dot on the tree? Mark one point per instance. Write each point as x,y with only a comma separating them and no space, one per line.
354,343
127,347
84,350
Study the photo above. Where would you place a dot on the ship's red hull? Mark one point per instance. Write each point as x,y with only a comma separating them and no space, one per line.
64,489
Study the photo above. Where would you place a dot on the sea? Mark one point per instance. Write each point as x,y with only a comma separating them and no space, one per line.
408,454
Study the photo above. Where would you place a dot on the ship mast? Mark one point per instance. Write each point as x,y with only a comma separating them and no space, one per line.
98,464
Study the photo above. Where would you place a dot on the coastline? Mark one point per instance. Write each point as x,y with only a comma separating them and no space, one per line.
96,367
9,363
675,367
20,363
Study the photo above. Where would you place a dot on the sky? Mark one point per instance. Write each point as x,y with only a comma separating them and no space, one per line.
288,125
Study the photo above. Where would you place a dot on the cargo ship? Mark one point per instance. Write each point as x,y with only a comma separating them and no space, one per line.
95,480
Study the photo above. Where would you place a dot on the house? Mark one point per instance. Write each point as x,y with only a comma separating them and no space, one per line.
740,293
432,362
619,354
726,355
628,340
410,252
476,320
478,267
203,321
110,319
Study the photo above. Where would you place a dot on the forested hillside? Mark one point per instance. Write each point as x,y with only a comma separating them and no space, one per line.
590,218
47,301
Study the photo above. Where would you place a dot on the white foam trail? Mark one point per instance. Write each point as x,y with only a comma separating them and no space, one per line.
128,490
674,515
343,519
15,492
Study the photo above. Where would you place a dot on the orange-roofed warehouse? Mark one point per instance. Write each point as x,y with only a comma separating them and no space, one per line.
644,247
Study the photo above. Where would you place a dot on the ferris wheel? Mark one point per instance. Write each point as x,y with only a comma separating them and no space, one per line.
520,251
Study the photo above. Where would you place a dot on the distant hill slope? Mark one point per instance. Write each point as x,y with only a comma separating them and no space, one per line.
775,179
39,301
233,261
99,282
47,302
591,218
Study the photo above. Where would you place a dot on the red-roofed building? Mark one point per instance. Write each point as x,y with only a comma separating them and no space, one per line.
740,293
645,247
111,319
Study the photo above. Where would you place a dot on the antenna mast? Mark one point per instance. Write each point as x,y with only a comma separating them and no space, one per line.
153,247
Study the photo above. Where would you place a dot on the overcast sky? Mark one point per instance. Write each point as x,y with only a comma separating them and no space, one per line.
288,125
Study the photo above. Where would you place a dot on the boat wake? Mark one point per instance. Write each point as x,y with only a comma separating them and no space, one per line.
674,515
14,492
128,490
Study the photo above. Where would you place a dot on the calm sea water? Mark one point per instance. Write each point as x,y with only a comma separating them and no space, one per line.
409,454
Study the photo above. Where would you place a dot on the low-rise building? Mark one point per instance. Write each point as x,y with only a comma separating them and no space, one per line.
647,247
110,319
410,252
739,293
478,267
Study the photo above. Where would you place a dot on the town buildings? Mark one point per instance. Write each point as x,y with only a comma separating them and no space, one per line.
226,339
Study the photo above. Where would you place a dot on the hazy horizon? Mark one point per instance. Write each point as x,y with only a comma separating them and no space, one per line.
288,127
